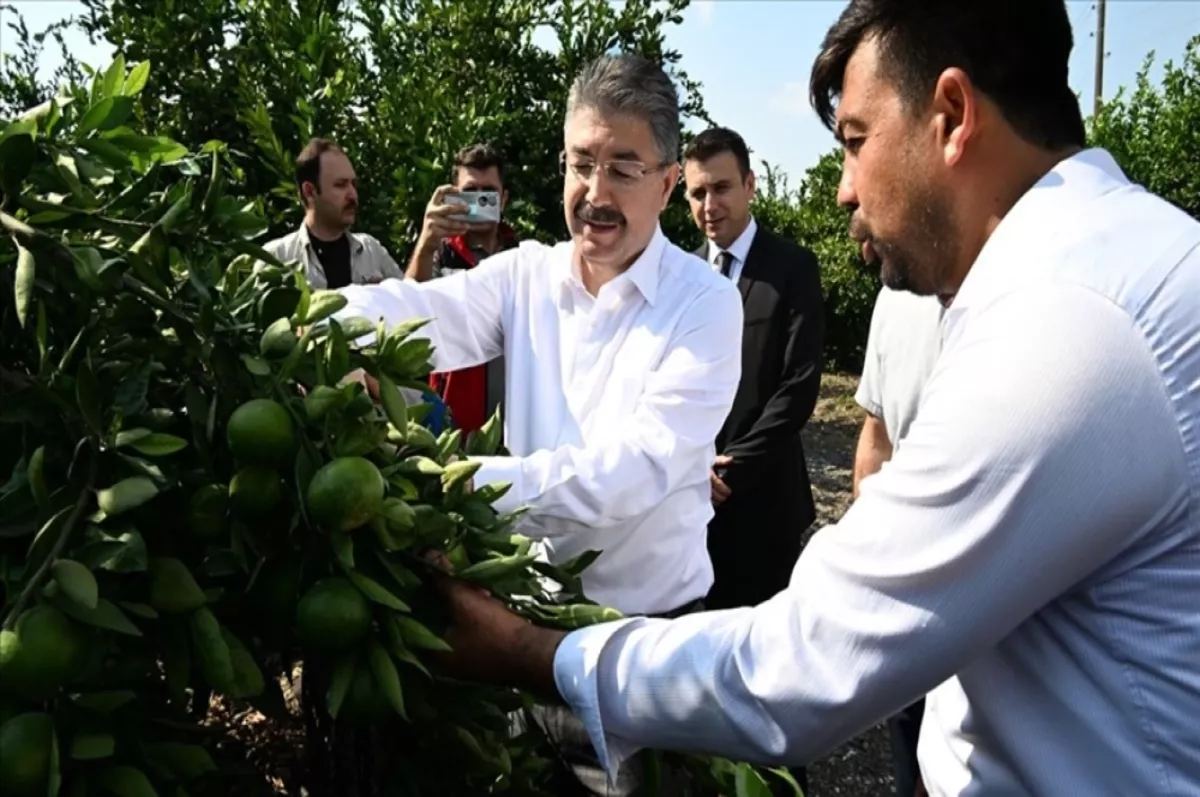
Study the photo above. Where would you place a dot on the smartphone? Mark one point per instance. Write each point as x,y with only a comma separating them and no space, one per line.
481,206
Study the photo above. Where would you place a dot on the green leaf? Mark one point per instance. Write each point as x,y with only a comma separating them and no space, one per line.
322,304
416,635
394,406
124,781
106,114
343,549
104,702
106,615
256,365
748,783
173,589
180,761
112,155
77,582
211,650
54,781
23,283
339,681
114,77
37,478
92,746
376,591
125,495
123,553
136,81
87,394
159,445
386,676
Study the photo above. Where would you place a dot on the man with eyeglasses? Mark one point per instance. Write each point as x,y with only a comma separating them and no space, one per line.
622,357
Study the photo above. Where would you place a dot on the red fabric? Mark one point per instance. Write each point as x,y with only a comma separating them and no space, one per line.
465,394
465,391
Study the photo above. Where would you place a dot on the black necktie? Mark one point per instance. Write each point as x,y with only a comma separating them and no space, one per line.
725,262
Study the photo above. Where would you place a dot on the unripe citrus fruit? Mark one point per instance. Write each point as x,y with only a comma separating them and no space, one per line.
25,755
254,491
261,432
332,615
40,654
345,494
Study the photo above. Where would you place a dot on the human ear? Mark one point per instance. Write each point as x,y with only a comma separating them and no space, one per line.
955,113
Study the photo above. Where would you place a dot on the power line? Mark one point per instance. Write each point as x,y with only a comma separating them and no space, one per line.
1098,89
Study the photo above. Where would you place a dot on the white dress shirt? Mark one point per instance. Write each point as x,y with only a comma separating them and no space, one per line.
1030,558
612,403
739,249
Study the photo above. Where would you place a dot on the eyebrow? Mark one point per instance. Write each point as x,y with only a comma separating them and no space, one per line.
623,155
848,121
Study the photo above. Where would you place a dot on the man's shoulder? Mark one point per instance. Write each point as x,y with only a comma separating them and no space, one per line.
783,247
287,241
692,275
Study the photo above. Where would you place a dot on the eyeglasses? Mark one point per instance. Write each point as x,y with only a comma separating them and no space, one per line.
621,173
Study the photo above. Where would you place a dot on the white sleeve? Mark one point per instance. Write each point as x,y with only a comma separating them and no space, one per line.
870,393
627,473
467,310
1045,446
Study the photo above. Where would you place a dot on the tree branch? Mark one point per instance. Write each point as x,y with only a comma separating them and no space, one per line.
64,535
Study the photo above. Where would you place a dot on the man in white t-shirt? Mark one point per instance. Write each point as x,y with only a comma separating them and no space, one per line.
902,348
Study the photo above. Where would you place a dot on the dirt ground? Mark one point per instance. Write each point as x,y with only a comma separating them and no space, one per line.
862,767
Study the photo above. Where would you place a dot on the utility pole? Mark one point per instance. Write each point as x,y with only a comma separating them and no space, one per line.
1098,91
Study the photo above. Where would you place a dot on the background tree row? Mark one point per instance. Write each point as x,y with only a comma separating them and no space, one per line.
402,84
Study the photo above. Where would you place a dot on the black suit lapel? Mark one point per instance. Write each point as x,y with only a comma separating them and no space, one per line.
753,268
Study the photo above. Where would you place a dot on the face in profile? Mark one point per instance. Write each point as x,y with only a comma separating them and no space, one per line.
335,201
615,186
894,180
719,196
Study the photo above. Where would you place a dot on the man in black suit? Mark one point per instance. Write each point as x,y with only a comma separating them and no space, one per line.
760,485
760,481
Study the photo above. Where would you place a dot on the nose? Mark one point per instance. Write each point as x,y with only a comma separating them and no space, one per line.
599,189
847,194
710,203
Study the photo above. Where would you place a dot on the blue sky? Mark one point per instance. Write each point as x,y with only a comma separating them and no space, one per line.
753,56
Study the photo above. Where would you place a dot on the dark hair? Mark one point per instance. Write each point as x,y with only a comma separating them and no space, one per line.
1015,51
308,162
713,142
478,156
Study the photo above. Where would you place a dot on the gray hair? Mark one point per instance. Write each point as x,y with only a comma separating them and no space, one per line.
629,84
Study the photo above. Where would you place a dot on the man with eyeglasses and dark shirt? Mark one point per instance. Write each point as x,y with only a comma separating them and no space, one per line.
333,257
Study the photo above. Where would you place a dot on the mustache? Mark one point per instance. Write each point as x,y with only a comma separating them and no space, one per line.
587,212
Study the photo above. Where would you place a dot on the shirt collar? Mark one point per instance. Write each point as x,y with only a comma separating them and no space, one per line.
1054,203
740,248
307,241
643,273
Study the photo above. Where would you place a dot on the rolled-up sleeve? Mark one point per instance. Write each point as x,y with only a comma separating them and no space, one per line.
1043,447
466,310
627,473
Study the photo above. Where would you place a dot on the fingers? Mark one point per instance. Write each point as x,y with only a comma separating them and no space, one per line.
720,492
721,461
439,193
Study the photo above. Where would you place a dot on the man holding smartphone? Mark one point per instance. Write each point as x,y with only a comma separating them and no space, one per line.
449,244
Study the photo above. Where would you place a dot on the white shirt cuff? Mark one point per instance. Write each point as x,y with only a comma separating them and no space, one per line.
576,674
502,470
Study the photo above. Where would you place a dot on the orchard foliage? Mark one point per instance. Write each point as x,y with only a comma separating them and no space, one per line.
201,502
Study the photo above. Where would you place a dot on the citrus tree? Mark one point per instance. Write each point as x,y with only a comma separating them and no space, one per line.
1152,130
204,508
